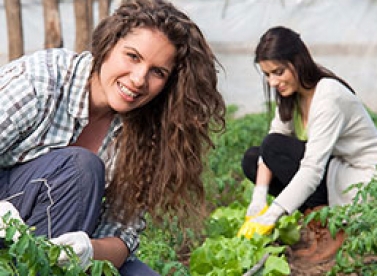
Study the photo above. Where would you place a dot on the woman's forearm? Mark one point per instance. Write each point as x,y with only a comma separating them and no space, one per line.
264,175
112,249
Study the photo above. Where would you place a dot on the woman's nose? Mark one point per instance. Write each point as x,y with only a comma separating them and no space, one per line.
273,80
138,77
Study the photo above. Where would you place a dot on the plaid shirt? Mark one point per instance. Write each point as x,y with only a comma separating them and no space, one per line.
45,105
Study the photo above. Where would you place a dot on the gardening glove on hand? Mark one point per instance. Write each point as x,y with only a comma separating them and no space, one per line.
263,224
258,203
81,245
5,208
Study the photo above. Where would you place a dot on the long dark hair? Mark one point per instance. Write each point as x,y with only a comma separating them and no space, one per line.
285,46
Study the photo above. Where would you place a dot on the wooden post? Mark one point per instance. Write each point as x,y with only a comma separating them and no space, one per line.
90,18
84,24
53,32
14,25
104,8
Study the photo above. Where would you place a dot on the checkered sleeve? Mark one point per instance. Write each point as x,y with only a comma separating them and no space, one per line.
18,108
129,234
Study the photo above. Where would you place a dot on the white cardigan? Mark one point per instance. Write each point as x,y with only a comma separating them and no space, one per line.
338,125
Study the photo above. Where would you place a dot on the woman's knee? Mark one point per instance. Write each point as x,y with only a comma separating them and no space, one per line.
78,189
271,141
276,146
89,166
249,162
76,171
87,160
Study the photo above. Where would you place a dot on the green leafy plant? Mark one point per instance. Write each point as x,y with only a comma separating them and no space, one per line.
24,254
223,253
358,220
232,256
161,247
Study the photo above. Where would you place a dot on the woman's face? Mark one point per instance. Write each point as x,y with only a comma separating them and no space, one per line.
135,71
280,76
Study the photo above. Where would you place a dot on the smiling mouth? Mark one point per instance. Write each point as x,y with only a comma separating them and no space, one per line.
127,92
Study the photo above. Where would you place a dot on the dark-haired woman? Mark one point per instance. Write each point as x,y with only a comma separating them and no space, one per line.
321,139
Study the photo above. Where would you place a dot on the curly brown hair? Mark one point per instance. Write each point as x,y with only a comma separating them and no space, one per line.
161,147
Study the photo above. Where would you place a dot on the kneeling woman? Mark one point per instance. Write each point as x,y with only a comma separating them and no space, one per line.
321,140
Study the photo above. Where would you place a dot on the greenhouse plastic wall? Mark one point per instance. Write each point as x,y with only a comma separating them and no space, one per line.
341,35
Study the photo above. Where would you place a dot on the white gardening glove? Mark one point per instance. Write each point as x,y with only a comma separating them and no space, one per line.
271,216
5,208
258,200
81,245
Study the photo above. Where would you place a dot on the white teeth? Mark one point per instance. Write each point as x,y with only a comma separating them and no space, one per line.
127,92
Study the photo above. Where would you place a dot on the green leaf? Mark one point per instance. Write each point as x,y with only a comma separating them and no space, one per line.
96,269
9,233
54,253
276,266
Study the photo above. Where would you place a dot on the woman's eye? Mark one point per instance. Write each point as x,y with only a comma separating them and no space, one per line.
158,72
279,71
133,56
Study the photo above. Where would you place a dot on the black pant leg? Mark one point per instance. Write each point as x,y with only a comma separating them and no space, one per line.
282,155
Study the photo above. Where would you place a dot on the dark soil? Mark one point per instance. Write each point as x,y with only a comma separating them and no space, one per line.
300,267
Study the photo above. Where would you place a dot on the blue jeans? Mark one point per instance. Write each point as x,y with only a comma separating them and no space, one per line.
61,192
136,268
58,192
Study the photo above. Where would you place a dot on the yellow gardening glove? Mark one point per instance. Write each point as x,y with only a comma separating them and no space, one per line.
262,224
247,229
